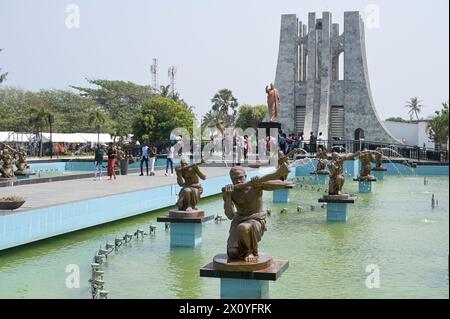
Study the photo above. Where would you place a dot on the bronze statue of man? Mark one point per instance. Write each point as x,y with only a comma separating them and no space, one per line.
6,171
243,203
366,160
285,159
273,102
336,167
188,178
378,157
322,160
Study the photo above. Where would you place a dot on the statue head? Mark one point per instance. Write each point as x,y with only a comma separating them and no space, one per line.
280,154
238,175
183,162
272,86
334,156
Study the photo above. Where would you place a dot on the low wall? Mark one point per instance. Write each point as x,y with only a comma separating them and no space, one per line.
32,225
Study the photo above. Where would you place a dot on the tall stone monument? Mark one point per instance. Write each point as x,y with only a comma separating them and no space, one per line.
313,96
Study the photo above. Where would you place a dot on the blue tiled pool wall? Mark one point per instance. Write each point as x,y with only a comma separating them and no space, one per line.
352,168
24,227
86,165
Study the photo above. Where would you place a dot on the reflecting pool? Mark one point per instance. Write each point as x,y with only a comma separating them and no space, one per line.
394,229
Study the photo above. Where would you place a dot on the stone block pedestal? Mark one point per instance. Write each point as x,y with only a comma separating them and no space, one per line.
281,195
321,177
378,172
243,280
337,206
365,184
185,227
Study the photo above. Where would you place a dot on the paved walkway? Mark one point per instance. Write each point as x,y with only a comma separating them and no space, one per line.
56,193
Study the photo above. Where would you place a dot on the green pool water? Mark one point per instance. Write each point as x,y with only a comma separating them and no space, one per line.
393,228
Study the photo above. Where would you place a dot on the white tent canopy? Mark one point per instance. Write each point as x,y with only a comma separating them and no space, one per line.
63,138
93,137
10,136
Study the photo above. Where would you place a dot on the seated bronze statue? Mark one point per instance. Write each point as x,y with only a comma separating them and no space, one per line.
243,203
188,178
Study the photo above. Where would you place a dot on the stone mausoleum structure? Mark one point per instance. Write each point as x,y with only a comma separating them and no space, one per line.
313,96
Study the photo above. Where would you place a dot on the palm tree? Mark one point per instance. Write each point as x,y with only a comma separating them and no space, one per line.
39,118
97,119
2,75
414,107
214,119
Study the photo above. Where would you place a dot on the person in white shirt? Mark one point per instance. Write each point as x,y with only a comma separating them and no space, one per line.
321,141
152,155
144,159
170,150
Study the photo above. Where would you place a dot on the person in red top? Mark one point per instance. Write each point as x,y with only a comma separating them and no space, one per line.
111,160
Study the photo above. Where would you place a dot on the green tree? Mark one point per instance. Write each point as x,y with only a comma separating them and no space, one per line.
397,119
250,116
97,119
439,125
2,75
159,117
121,100
414,107
214,119
119,130
223,111
38,120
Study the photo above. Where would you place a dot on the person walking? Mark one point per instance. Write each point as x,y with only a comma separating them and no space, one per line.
321,141
98,162
144,158
170,150
111,161
312,143
152,154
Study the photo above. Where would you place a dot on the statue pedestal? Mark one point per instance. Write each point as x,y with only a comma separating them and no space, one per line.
281,195
378,172
268,126
244,280
365,183
185,227
337,206
24,173
321,177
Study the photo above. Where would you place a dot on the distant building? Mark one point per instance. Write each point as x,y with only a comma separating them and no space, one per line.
414,134
323,80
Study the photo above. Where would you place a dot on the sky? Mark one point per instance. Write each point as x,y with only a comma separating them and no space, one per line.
216,44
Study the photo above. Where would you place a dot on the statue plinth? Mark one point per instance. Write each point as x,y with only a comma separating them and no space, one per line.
222,262
243,280
378,172
321,172
269,125
185,227
368,178
337,206
365,183
24,173
187,214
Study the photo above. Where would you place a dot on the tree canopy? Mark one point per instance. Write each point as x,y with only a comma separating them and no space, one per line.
2,75
439,125
120,100
223,111
250,116
159,116
414,107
